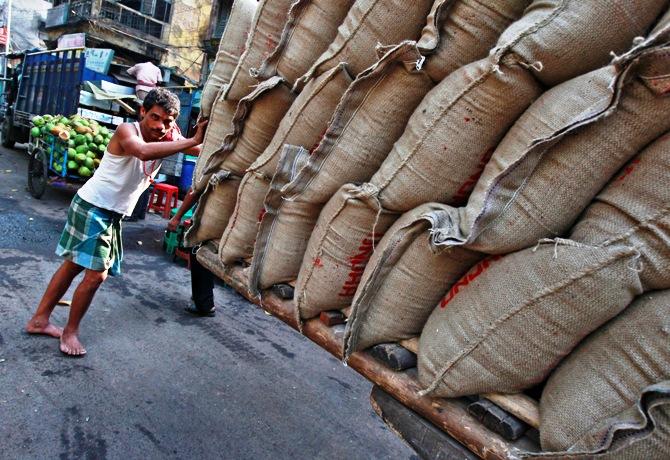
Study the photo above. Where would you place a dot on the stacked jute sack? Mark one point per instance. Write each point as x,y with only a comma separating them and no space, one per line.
369,118
353,49
511,319
448,142
283,38
448,166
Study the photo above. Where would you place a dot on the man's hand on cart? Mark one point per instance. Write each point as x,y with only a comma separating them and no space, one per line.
173,224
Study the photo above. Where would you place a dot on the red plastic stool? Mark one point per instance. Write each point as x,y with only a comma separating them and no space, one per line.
163,198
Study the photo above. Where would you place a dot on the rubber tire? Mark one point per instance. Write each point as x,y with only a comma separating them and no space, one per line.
37,174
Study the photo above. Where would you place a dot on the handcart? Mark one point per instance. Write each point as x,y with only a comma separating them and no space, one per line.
48,165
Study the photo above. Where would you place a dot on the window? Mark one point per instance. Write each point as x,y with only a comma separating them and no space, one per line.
157,9
224,7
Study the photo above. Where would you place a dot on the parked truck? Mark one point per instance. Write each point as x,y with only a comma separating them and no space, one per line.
58,82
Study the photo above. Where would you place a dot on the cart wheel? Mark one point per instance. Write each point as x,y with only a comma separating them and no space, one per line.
6,134
37,173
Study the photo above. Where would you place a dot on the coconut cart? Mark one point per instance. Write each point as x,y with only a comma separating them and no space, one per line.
64,152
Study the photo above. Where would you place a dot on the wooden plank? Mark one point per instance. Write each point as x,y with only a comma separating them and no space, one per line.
411,344
238,279
450,415
425,438
521,406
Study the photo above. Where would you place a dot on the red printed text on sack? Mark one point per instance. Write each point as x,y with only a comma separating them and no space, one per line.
357,264
468,278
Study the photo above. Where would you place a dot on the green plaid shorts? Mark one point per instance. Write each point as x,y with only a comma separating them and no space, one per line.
92,237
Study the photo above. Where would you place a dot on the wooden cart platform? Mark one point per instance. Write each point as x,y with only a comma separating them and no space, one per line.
450,415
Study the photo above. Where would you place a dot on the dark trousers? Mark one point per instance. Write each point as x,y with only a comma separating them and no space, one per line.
202,285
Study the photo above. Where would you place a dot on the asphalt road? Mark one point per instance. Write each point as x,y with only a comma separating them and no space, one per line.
157,383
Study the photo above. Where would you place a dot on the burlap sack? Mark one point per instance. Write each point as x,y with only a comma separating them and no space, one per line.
253,126
237,241
220,123
307,119
368,24
349,227
265,32
453,132
376,106
370,117
605,375
231,48
562,152
568,38
507,325
640,432
404,280
303,125
274,250
311,27
463,31
634,209
214,208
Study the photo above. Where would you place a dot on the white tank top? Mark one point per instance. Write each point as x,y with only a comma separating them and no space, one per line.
119,181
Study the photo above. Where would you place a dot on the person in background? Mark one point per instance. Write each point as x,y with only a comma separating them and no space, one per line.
91,239
202,280
148,76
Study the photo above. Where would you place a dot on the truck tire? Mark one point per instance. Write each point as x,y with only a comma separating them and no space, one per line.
37,173
6,134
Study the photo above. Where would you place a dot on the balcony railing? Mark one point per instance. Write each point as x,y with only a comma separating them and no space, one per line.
107,10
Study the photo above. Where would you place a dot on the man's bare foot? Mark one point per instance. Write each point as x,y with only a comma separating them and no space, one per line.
36,326
70,345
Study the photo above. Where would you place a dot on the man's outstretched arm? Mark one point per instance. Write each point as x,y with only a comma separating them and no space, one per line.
189,199
126,142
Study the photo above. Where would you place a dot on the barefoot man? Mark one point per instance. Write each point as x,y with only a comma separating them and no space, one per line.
91,240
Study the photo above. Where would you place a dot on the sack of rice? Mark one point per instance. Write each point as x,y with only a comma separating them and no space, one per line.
253,126
404,280
264,35
640,432
463,31
562,151
231,48
368,24
214,208
376,106
634,209
349,227
311,27
452,133
369,118
505,327
303,125
307,119
272,249
237,241
220,124
602,379
568,38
